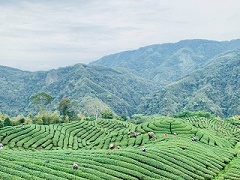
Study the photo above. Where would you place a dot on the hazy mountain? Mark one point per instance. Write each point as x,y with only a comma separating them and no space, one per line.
164,79
16,87
166,63
214,88
121,91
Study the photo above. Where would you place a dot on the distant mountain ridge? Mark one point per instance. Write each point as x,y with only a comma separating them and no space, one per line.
157,79
166,63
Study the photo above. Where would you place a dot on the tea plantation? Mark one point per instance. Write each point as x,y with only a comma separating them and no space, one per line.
112,149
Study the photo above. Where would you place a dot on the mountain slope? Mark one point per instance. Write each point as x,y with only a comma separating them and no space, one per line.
16,88
214,88
121,91
190,74
166,63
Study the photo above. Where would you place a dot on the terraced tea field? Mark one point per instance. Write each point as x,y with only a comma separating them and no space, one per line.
111,149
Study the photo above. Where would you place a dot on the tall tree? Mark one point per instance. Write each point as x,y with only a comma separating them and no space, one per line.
7,122
63,107
94,107
107,114
41,99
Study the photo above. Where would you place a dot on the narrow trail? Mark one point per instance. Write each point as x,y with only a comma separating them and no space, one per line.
229,165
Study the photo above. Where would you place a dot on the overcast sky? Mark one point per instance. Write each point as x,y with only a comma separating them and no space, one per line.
47,34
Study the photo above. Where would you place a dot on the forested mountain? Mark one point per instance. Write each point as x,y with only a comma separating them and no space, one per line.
164,79
16,87
166,63
214,88
121,91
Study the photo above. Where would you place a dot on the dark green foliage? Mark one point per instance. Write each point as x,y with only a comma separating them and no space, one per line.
41,99
122,117
89,118
7,122
22,120
46,118
107,114
64,107
185,114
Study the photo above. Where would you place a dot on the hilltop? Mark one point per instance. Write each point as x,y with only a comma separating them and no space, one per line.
169,62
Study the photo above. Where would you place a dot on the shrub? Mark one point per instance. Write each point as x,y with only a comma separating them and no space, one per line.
107,114
186,113
7,122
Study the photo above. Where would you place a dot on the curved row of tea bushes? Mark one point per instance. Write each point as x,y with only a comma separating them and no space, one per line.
165,160
103,132
215,132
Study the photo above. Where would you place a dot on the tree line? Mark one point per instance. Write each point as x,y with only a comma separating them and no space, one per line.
66,111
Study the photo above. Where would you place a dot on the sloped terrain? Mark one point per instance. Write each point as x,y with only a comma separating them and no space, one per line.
111,149
91,134
232,169
214,88
158,79
119,90
169,62
172,160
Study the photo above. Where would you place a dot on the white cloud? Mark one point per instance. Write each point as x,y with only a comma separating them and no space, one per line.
40,35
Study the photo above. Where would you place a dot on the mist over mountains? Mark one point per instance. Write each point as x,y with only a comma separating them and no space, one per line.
157,79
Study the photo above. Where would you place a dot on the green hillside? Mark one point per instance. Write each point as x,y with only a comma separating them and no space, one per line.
158,79
119,90
166,63
214,88
108,149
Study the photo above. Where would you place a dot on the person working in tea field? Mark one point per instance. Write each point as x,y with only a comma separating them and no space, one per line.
75,166
150,135
111,146
194,139
1,145
135,133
